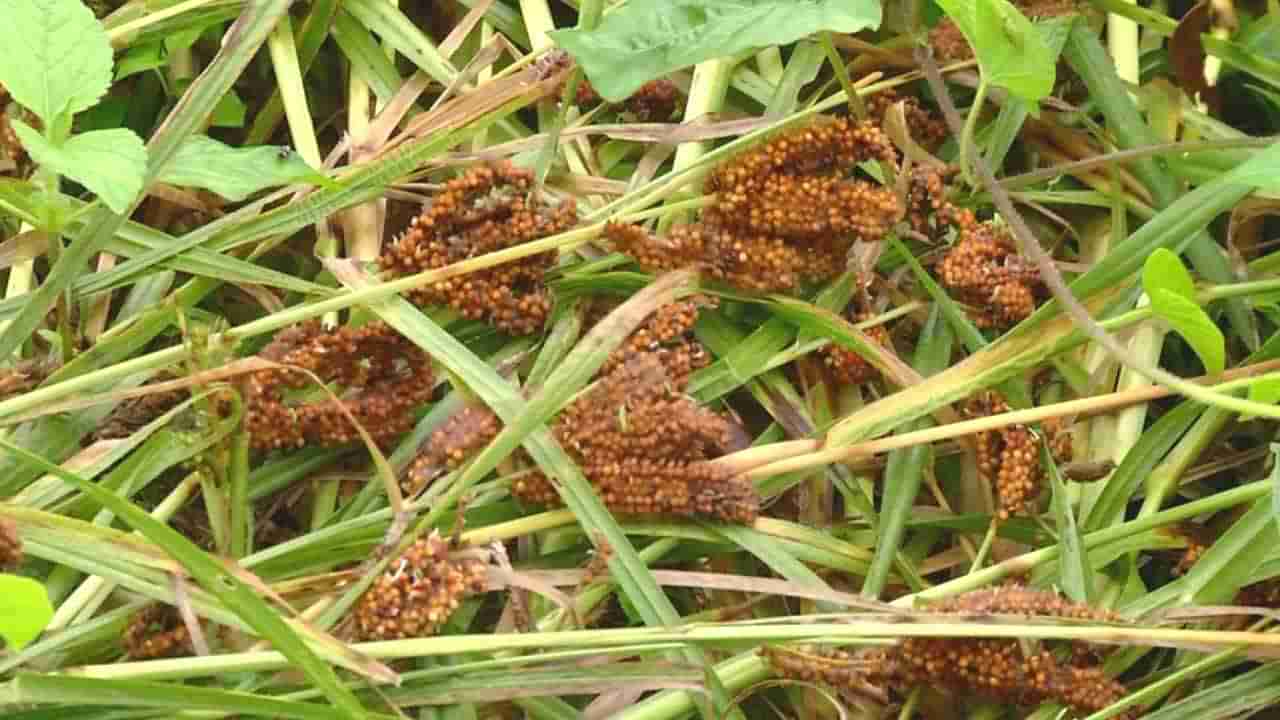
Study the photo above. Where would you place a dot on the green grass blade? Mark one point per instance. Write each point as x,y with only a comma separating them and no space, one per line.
1075,575
214,577
60,689
904,470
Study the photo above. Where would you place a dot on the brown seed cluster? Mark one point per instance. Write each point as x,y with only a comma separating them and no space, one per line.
135,413
993,668
782,212
10,545
384,376
656,100
983,270
465,432
1009,457
929,212
156,631
418,592
645,447
667,334
490,208
927,128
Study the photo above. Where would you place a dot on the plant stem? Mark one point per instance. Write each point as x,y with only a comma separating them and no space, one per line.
968,149
706,96
538,23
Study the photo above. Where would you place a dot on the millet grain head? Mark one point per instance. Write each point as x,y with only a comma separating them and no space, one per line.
782,212
464,433
385,376
490,208
418,592
927,128
991,668
1009,457
646,448
983,270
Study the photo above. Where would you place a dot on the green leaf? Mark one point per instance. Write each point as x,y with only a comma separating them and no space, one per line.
140,58
1011,51
1228,563
56,58
24,610
1194,325
110,163
1164,271
1261,171
234,173
118,692
1275,482
1265,390
230,112
1074,574
645,39
216,577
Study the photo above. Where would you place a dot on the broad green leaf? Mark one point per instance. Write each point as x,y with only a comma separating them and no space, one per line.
1194,325
110,163
646,39
56,58
1164,271
1012,52
235,173
24,610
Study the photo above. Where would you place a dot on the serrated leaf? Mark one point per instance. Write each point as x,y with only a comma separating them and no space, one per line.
1011,50
646,39
56,58
1194,325
235,173
24,610
111,163
1164,271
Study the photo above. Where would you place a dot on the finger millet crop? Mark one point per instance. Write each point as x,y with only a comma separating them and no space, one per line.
997,669
781,212
1009,457
385,376
418,592
490,208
